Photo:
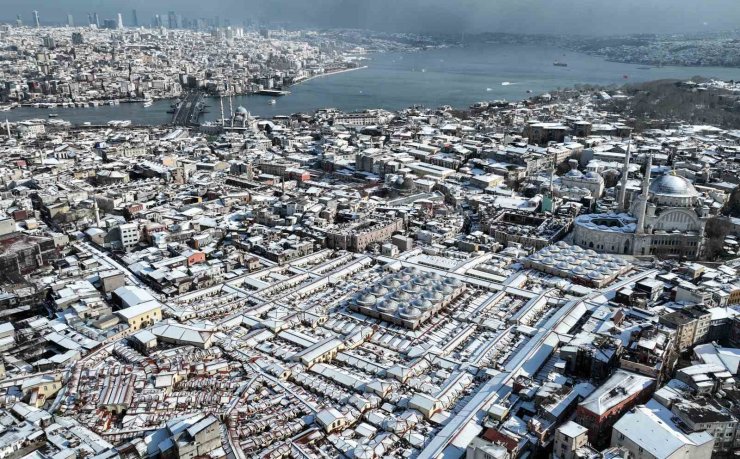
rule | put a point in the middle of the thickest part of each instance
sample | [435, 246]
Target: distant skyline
[426, 16]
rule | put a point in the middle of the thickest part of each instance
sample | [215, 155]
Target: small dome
[452, 281]
[422, 304]
[391, 283]
[379, 290]
[434, 297]
[434, 276]
[421, 281]
[387, 306]
[367, 300]
[411, 289]
[409, 312]
[595, 275]
[578, 270]
[574, 173]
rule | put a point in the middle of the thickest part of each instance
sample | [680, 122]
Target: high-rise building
[89, 19]
[70, 21]
[96, 20]
[171, 20]
[18, 20]
[36, 18]
[119, 25]
[134, 18]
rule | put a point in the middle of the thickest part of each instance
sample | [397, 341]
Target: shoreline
[327, 74]
[113, 102]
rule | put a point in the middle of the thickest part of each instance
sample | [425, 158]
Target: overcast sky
[449, 16]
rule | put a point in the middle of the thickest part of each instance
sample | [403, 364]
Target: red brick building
[602, 409]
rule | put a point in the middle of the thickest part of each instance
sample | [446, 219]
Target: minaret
[622, 199]
[231, 111]
[642, 208]
[97, 212]
[223, 121]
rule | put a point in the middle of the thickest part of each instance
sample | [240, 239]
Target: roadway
[188, 110]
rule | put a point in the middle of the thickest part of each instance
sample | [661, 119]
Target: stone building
[665, 219]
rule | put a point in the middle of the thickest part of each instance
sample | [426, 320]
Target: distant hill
[662, 102]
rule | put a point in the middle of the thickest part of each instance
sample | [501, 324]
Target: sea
[455, 76]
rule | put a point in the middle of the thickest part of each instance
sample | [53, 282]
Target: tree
[732, 206]
[717, 229]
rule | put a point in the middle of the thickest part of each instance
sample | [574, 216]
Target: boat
[148, 103]
[506, 83]
[53, 115]
[559, 64]
[489, 89]
[272, 102]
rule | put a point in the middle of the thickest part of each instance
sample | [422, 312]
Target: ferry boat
[53, 115]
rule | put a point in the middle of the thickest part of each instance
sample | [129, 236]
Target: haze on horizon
[588, 17]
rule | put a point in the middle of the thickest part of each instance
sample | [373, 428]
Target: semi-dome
[673, 185]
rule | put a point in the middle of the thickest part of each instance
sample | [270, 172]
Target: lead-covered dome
[673, 185]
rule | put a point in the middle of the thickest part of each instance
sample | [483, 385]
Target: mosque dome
[673, 185]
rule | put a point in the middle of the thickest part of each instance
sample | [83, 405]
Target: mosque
[666, 219]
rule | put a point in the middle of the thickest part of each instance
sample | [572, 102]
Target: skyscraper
[18, 20]
[171, 20]
[36, 18]
[89, 19]
[119, 25]
[96, 20]
[134, 18]
[70, 21]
